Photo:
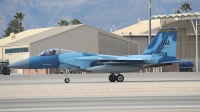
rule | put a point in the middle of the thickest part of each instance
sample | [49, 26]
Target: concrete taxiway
[93, 92]
[14, 79]
[108, 103]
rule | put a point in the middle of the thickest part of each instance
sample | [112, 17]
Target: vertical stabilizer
[155, 42]
[166, 50]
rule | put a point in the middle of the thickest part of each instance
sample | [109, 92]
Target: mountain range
[104, 14]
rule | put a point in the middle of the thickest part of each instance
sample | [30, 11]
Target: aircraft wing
[110, 59]
[113, 61]
[84, 62]
[124, 59]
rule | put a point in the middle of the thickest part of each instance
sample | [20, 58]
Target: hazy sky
[98, 13]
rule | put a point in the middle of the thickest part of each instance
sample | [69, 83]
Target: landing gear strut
[113, 78]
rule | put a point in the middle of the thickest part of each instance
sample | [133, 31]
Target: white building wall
[13, 57]
[1, 54]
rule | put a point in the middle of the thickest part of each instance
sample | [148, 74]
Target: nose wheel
[66, 80]
[118, 78]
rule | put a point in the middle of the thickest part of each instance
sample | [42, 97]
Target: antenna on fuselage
[36, 71]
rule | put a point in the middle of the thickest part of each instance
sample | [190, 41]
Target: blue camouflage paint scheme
[161, 51]
[154, 43]
[44, 62]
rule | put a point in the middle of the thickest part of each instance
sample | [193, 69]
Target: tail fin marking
[155, 42]
[166, 50]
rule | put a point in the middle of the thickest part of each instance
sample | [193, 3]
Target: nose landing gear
[66, 80]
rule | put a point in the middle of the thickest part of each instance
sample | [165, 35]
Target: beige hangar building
[82, 38]
[186, 38]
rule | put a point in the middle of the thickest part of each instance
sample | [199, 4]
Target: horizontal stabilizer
[176, 61]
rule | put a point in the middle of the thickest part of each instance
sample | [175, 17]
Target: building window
[16, 50]
[6, 60]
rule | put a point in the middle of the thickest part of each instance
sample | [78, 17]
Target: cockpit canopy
[54, 51]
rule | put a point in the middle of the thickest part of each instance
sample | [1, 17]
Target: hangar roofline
[180, 16]
[21, 35]
[139, 29]
[42, 35]
[52, 31]
[113, 34]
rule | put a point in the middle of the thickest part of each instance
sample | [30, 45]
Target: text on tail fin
[155, 42]
[167, 47]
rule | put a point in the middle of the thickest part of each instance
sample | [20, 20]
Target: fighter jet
[160, 52]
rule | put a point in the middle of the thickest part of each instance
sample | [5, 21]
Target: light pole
[196, 33]
[149, 39]
[197, 56]
[150, 5]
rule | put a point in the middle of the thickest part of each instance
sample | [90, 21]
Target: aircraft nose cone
[22, 64]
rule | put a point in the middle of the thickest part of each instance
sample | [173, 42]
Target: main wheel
[112, 78]
[120, 78]
[67, 80]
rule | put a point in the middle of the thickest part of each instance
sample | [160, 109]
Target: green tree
[19, 17]
[75, 21]
[63, 22]
[186, 7]
[12, 28]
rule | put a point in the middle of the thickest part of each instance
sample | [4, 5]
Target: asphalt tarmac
[109, 103]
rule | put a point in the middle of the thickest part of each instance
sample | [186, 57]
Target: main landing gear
[113, 78]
